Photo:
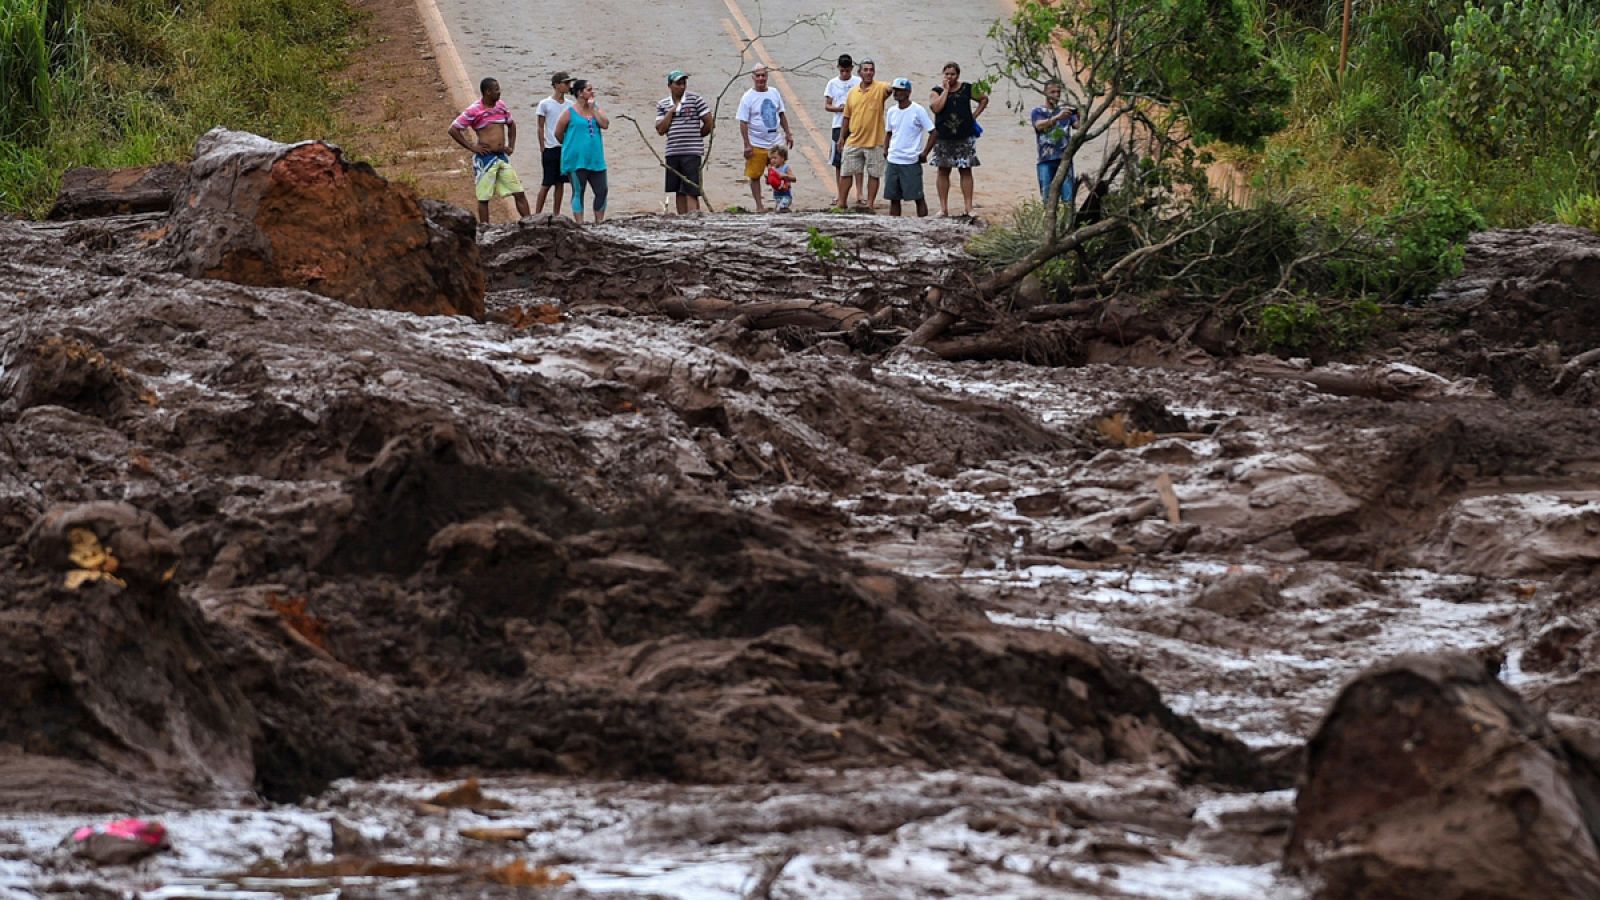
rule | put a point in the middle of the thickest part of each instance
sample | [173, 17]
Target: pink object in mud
[119, 843]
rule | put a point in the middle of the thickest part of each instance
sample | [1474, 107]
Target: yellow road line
[825, 146]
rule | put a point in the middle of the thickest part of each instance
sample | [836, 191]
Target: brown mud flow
[668, 532]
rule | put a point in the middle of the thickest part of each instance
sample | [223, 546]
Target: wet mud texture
[371, 554]
[1430, 778]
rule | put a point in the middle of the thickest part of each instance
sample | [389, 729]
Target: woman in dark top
[955, 128]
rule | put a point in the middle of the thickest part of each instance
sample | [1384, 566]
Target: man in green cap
[685, 118]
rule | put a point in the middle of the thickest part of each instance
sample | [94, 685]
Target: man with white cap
[910, 130]
[685, 118]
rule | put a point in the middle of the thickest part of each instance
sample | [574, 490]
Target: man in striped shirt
[488, 131]
[685, 119]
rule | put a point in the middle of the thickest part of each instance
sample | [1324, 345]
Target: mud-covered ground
[715, 611]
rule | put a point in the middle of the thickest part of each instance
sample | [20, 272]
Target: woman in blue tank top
[583, 151]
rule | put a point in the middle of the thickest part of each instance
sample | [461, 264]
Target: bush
[1522, 78]
[1425, 241]
[136, 81]
[24, 68]
[1582, 210]
[1313, 329]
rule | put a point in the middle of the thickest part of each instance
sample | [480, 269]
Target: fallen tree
[1148, 81]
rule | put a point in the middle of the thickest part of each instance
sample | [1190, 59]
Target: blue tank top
[582, 146]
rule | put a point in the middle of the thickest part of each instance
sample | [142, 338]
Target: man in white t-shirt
[550, 110]
[763, 121]
[833, 97]
[910, 128]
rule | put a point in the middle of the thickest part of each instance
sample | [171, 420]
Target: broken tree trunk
[1574, 370]
[1393, 381]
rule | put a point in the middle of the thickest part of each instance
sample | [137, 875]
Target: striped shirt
[477, 115]
[683, 135]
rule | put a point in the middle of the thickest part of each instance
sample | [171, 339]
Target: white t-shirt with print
[908, 131]
[761, 109]
[836, 92]
[551, 110]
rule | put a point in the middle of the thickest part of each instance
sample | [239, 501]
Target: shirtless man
[487, 130]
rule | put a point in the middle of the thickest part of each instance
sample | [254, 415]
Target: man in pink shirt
[487, 129]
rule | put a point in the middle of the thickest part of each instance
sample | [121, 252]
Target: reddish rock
[87, 192]
[1430, 778]
[257, 212]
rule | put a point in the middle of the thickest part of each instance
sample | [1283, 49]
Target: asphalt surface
[625, 49]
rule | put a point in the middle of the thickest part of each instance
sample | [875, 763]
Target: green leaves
[1522, 79]
[1198, 57]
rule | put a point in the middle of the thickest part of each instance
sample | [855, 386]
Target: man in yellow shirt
[864, 135]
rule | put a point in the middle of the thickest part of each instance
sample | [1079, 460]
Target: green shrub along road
[1497, 103]
[128, 82]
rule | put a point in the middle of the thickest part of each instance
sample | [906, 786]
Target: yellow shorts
[756, 165]
[498, 179]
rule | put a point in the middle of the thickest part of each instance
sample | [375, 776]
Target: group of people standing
[888, 141]
[881, 138]
[571, 147]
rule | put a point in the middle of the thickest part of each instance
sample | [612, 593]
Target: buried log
[1574, 369]
[87, 192]
[765, 315]
[1430, 778]
[1390, 381]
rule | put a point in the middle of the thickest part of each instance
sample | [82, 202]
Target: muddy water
[1314, 535]
[1262, 667]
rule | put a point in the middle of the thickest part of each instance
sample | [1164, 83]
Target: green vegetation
[128, 82]
[1451, 116]
[821, 245]
[1496, 102]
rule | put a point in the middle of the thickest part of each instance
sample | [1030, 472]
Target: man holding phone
[1052, 128]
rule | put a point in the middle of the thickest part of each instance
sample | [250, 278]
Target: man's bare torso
[491, 138]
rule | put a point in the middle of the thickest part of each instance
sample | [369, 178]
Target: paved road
[626, 49]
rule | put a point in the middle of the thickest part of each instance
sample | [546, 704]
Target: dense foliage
[126, 82]
[1451, 116]
[1496, 102]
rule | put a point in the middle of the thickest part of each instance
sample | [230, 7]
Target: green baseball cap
[676, 75]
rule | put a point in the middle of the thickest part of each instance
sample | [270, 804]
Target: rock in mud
[1530, 285]
[257, 212]
[1430, 778]
[114, 538]
[87, 192]
[114, 672]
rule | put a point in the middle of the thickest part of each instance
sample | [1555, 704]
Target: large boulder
[87, 192]
[258, 212]
[1530, 285]
[1430, 778]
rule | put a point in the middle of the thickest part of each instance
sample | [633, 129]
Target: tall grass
[24, 67]
[130, 82]
[1354, 144]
